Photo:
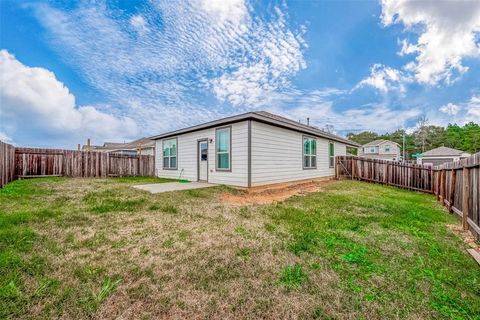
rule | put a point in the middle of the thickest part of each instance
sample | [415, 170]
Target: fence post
[336, 168]
[453, 182]
[443, 186]
[465, 194]
[432, 180]
[353, 168]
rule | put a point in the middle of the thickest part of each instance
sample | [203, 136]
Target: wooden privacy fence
[403, 175]
[456, 184]
[54, 162]
[18, 163]
[7, 163]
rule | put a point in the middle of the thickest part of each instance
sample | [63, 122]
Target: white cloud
[33, 99]
[385, 79]
[276, 55]
[448, 33]
[319, 106]
[460, 113]
[139, 24]
[5, 138]
[473, 109]
[226, 10]
[450, 108]
[192, 52]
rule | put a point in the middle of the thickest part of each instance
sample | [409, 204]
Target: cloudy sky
[119, 70]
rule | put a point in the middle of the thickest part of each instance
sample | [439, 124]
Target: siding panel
[187, 157]
[277, 155]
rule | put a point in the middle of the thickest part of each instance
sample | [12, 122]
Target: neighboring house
[250, 149]
[143, 146]
[441, 155]
[381, 149]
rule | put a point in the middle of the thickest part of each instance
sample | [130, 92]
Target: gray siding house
[441, 155]
[247, 150]
[381, 149]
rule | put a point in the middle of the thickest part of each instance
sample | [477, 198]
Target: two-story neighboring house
[381, 149]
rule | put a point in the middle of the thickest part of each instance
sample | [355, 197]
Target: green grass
[292, 276]
[88, 248]
[367, 232]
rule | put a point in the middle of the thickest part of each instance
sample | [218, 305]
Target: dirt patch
[466, 236]
[272, 194]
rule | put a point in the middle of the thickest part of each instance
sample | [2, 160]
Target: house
[143, 146]
[381, 149]
[438, 156]
[246, 150]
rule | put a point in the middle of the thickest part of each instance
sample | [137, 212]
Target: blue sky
[119, 70]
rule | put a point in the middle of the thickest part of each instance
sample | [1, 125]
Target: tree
[421, 132]
[362, 137]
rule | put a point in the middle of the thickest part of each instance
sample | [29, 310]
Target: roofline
[383, 141]
[256, 117]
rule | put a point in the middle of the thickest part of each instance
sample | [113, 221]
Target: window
[223, 154]
[309, 153]
[170, 154]
[387, 148]
[331, 154]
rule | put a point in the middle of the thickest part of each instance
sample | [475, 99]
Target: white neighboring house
[438, 156]
[381, 149]
[247, 150]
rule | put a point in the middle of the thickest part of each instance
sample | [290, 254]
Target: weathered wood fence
[456, 184]
[7, 163]
[16, 163]
[47, 162]
[407, 176]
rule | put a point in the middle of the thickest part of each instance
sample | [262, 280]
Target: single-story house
[143, 146]
[247, 150]
[438, 156]
[381, 149]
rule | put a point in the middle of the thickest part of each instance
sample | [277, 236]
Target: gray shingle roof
[443, 151]
[375, 143]
[136, 144]
[261, 116]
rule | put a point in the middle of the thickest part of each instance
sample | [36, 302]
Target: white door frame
[199, 141]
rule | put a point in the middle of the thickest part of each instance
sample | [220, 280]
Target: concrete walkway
[173, 186]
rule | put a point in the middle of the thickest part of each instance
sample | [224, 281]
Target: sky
[120, 70]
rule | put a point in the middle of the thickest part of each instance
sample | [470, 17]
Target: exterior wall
[381, 153]
[436, 161]
[148, 151]
[187, 161]
[277, 155]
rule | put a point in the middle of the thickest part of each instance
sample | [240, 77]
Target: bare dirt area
[273, 194]
[466, 235]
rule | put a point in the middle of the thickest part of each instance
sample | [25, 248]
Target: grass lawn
[92, 248]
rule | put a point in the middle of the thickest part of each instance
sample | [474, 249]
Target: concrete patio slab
[173, 186]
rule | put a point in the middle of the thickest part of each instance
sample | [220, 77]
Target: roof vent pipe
[308, 121]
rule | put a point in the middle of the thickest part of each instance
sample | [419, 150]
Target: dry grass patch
[78, 248]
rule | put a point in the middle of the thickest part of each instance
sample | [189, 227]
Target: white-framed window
[309, 153]
[223, 141]
[331, 154]
[387, 148]
[170, 154]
